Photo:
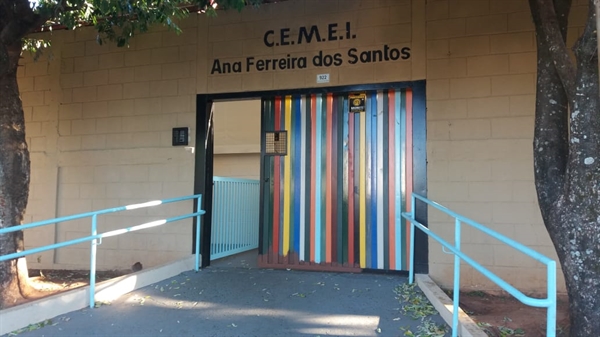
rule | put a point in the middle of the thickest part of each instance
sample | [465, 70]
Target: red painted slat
[313, 173]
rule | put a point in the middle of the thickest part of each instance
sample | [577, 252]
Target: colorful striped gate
[334, 201]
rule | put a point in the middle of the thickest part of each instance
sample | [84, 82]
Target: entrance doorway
[333, 182]
[236, 188]
[338, 179]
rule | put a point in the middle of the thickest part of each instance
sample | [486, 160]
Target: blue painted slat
[303, 185]
[318, 178]
[374, 174]
[399, 239]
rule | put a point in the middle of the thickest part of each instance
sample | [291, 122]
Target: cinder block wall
[481, 66]
[99, 122]
[233, 36]
[99, 119]
[41, 96]
[237, 139]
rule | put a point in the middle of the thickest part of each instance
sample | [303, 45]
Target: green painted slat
[335, 194]
[309, 181]
[269, 171]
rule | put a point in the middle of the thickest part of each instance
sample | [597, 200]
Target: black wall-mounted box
[180, 136]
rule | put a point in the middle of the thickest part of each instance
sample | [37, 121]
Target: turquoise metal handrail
[549, 302]
[96, 238]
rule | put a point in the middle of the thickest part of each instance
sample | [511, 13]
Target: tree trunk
[14, 176]
[581, 250]
[566, 156]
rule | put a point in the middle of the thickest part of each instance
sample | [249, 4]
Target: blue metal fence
[549, 302]
[235, 216]
[96, 238]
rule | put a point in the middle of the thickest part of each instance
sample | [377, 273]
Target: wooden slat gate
[338, 183]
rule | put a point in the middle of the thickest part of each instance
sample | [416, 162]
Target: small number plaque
[323, 78]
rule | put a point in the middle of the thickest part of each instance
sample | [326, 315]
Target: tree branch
[551, 135]
[549, 32]
[20, 20]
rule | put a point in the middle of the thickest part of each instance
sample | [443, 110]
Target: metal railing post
[93, 249]
[551, 312]
[456, 293]
[411, 268]
[549, 303]
[198, 210]
[95, 239]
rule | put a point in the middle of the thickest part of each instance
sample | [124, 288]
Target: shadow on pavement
[234, 298]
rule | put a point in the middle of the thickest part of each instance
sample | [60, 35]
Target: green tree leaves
[120, 20]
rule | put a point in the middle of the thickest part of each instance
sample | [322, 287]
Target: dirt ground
[502, 316]
[56, 280]
[50, 282]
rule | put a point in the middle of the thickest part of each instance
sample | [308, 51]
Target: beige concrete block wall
[41, 97]
[233, 37]
[242, 165]
[99, 118]
[481, 65]
[237, 139]
[99, 122]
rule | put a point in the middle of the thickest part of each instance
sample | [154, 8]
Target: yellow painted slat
[362, 192]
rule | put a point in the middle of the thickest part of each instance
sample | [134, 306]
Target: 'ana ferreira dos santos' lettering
[307, 35]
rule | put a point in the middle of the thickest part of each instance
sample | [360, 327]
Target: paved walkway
[232, 298]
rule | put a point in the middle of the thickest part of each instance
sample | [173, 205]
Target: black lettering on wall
[332, 31]
[304, 35]
[268, 38]
[285, 35]
[405, 53]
